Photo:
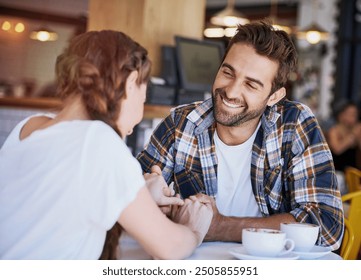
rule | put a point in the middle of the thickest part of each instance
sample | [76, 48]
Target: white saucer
[240, 253]
[316, 252]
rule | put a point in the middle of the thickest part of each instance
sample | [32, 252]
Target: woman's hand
[159, 190]
[195, 215]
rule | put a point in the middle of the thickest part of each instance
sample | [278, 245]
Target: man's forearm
[230, 228]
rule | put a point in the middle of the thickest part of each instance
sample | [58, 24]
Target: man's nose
[234, 91]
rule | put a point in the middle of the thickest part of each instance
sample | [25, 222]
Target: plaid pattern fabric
[291, 170]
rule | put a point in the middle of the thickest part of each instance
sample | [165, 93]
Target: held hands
[199, 212]
[195, 215]
[214, 231]
[160, 191]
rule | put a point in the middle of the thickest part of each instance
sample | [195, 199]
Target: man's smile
[230, 105]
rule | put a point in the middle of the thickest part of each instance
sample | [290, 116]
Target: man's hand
[215, 231]
[224, 228]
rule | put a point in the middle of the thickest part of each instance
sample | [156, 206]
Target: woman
[344, 138]
[67, 179]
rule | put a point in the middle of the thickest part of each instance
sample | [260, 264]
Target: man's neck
[236, 135]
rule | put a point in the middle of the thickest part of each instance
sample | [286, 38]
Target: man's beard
[228, 118]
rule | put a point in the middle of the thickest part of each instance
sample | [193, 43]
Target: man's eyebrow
[255, 81]
[230, 67]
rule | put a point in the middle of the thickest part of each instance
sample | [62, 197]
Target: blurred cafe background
[327, 34]
[186, 40]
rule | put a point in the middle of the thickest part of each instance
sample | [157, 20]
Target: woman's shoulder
[34, 123]
[103, 138]
[14, 137]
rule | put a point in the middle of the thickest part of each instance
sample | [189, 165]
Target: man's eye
[251, 86]
[227, 73]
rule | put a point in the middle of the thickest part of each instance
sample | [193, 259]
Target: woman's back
[344, 137]
[71, 169]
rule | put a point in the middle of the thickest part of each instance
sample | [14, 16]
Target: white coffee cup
[264, 242]
[304, 235]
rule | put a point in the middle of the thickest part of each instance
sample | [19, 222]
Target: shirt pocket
[273, 187]
[188, 183]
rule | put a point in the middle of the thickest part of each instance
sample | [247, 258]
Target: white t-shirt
[235, 196]
[62, 188]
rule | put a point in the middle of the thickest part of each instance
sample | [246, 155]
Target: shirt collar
[202, 116]
[270, 117]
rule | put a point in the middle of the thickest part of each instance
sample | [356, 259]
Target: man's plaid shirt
[291, 170]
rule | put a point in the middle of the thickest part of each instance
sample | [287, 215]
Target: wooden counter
[150, 111]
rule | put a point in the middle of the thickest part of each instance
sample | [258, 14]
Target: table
[131, 250]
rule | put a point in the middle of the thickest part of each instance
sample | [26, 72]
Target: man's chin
[227, 121]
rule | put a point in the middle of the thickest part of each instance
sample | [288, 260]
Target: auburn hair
[96, 65]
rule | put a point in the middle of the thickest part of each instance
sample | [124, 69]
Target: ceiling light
[6, 26]
[214, 32]
[44, 34]
[313, 34]
[19, 27]
[229, 16]
[230, 31]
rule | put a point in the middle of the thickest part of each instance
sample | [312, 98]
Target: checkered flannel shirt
[291, 168]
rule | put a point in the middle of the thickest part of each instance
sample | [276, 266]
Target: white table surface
[131, 250]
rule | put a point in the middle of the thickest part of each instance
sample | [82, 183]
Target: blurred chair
[353, 179]
[348, 241]
[353, 214]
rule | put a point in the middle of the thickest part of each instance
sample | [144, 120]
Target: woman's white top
[62, 188]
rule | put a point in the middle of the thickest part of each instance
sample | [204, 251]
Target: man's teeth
[230, 104]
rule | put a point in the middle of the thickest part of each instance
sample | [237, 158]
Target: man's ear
[276, 96]
[130, 82]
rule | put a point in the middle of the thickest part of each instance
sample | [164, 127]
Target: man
[258, 157]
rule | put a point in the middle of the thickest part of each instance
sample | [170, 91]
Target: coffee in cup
[304, 235]
[264, 242]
